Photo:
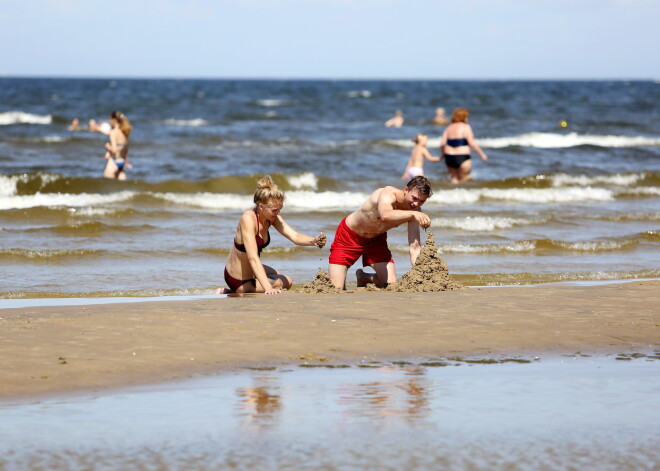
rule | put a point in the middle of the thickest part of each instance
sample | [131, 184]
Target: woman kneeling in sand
[244, 272]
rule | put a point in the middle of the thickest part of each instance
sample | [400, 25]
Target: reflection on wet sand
[259, 405]
[392, 397]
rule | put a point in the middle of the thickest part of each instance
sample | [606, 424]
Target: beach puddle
[438, 413]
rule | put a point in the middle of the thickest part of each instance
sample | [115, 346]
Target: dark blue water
[553, 203]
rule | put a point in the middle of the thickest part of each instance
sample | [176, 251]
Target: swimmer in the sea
[419, 153]
[396, 121]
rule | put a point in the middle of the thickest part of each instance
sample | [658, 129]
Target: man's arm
[413, 241]
[389, 215]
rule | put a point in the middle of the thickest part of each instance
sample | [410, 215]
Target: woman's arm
[469, 135]
[297, 238]
[443, 143]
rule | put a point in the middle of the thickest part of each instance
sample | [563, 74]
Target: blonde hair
[267, 189]
[416, 138]
[124, 124]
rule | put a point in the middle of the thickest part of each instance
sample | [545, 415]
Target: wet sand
[55, 349]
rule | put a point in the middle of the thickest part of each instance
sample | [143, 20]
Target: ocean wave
[20, 117]
[547, 141]
[46, 255]
[295, 200]
[627, 179]
[359, 94]
[507, 279]
[538, 246]
[460, 196]
[275, 102]
[482, 223]
[187, 122]
[551, 141]
[303, 180]
[61, 200]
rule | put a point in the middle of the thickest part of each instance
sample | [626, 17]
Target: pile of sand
[429, 273]
[319, 285]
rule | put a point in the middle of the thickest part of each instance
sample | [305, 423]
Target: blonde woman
[455, 146]
[117, 149]
[244, 271]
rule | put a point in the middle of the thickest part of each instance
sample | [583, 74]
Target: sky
[331, 39]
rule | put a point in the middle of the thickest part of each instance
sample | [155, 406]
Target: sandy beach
[56, 349]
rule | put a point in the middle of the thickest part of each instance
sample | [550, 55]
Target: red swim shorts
[349, 246]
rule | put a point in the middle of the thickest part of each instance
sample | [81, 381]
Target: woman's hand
[320, 240]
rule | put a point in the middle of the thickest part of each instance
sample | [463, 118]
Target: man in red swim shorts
[364, 233]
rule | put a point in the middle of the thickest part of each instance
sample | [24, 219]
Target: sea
[570, 192]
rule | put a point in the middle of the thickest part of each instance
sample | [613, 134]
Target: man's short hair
[421, 184]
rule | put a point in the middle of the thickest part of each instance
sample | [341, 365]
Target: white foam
[274, 102]
[304, 180]
[8, 184]
[359, 94]
[61, 199]
[296, 200]
[187, 122]
[19, 117]
[547, 141]
[618, 179]
[645, 190]
[480, 223]
[552, 140]
[513, 247]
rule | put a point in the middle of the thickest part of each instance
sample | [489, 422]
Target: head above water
[267, 190]
[460, 115]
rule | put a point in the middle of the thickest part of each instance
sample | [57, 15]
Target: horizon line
[356, 79]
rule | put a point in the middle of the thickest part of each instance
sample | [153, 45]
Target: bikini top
[260, 241]
[460, 142]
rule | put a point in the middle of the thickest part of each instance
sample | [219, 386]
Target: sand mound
[319, 285]
[430, 272]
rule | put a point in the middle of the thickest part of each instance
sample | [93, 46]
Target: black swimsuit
[456, 160]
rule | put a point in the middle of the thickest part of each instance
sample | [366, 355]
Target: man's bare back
[367, 221]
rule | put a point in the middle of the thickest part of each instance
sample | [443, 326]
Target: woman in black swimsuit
[244, 272]
[455, 146]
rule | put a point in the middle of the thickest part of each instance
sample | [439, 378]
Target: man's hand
[422, 219]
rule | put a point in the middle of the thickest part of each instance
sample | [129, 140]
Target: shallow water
[567, 413]
[552, 204]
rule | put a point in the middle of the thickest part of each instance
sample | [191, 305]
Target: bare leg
[464, 171]
[110, 169]
[338, 275]
[385, 274]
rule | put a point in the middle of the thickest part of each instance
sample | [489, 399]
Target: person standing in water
[419, 153]
[244, 271]
[455, 147]
[117, 148]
